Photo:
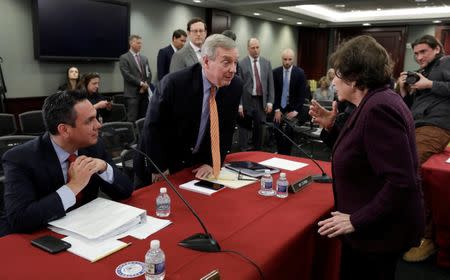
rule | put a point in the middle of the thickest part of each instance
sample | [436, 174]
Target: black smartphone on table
[50, 244]
[209, 185]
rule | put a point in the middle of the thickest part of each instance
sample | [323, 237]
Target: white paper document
[231, 180]
[100, 219]
[283, 164]
[144, 230]
[448, 160]
[94, 250]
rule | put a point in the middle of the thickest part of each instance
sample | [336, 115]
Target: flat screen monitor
[80, 30]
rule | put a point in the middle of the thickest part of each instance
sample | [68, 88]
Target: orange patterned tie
[214, 129]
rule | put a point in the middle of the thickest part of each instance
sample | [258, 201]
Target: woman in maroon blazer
[378, 199]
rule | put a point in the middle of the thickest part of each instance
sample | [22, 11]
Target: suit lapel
[51, 161]
[131, 57]
[192, 54]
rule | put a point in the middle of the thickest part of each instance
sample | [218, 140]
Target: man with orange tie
[60, 170]
[191, 118]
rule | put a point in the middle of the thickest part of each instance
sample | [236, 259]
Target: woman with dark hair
[378, 199]
[90, 83]
[72, 79]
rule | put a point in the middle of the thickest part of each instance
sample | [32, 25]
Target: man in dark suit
[165, 54]
[290, 93]
[177, 128]
[60, 170]
[258, 95]
[137, 77]
[190, 53]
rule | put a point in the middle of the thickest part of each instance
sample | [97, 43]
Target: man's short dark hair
[58, 108]
[179, 33]
[195, 20]
[430, 41]
[230, 34]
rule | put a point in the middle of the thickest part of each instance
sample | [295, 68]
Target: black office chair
[119, 99]
[118, 114]
[6, 143]
[126, 157]
[7, 124]
[115, 135]
[32, 123]
[139, 126]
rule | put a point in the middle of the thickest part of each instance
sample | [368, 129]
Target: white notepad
[191, 187]
[283, 164]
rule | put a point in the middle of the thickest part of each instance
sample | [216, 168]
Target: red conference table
[436, 181]
[280, 235]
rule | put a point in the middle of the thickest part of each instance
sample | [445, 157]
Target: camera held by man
[412, 78]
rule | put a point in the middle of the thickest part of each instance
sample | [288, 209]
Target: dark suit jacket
[164, 58]
[32, 176]
[297, 89]
[173, 121]
[132, 77]
[375, 172]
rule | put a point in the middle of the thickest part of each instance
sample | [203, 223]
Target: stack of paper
[284, 164]
[93, 229]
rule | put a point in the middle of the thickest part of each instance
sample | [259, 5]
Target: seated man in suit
[290, 94]
[165, 54]
[60, 170]
[189, 107]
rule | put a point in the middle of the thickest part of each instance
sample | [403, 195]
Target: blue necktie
[285, 92]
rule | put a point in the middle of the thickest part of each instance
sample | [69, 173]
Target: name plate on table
[297, 186]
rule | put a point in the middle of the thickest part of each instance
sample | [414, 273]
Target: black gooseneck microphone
[324, 178]
[203, 242]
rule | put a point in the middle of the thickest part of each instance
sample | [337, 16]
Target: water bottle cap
[154, 244]
[162, 190]
[282, 175]
[267, 172]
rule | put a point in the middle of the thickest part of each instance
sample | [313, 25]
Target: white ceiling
[353, 13]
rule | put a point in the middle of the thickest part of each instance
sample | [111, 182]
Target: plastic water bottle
[266, 184]
[282, 186]
[155, 261]
[163, 203]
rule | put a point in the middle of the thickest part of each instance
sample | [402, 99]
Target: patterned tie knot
[255, 60]
[71, 158]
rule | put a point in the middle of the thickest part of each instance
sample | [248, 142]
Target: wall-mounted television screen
[80, 30]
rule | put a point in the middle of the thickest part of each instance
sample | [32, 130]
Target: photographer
[428, 93]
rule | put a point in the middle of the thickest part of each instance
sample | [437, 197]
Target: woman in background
[323, 92]
[72, 79]
[378, 200]
[90, 83]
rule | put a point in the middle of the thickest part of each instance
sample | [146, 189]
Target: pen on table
[236, 179]
[111, 252]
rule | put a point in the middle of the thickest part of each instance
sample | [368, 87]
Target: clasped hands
[82, 169]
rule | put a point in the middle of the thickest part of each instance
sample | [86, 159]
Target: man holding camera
[428, 92]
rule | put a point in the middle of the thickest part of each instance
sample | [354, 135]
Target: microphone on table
[203, 242]
[324, 178]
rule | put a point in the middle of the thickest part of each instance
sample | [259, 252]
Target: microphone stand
[203, 242]
[324, 178]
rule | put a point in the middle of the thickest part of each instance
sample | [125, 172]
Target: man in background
[137, 77]
[258, 95]
[165, 54]
[190, 54]
[62, 169]
[429, 96]
[189, 107]
[290, 94]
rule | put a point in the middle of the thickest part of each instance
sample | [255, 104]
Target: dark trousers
[368, 266]
[136, 107]
[257, 114]
[284, 146]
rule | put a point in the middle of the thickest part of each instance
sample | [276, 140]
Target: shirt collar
[253, 59]
[173, 47]
[133, 53]
[206, 84]
[196, 49]
[289, 69]
[60, 152]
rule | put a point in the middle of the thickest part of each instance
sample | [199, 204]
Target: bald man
[258, 95]
[290, 94]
